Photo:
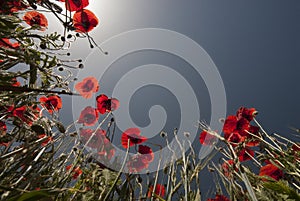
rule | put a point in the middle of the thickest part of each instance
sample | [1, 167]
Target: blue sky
[254, 45]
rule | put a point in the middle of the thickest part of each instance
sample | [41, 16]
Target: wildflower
[46, 141]
[84, 21]
[248, 113]
[271, 171]
[36, 18]
[146, 152]
[87, 87]
[133, 135]
[15, 83]
[12, 6]
[219, 198]
[245, 154]
[296, 151]
[88, 116]
[234, 138]
[76, 172]
[105, 104]
[75, 5]
[206, 138]
[51, 103]
[137, 163]
[159, 190]
[234, 124]
[238, 129]
[6, 42]
[227, 167]
[296, 147]
[26, 114]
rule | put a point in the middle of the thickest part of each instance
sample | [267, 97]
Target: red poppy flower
[134, 137]
[5, 42]
[97, 141]
[159, 190]
[296, 151]
[84, 21]
[146, 152]
[51, 103]
[245, 154]
[26, 114]
[296, 147]
[3, 128]
[15, 83]
[12, 6]
[248, 113]
[218, 198]
[137, 163]
[234, 138]
[271, 171]
[105, 104]
[46, 141]
[75, 5]
[233, 124]
[253, 141]
[87, 87]
[227, 167]
[88, 116]
[5, 144]
[206, 138]
[36, 18]
[76, 172]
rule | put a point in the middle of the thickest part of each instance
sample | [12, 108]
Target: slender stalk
[119, 173]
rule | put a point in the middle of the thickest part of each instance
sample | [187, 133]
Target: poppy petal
[88, 116]
[146, 152]
[84, 21]
[206, 138]
[76, 5]
[271, 171]
[248, 113]
[36, 18]
[87, 87]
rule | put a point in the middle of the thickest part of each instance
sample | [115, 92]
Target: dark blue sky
[254, 45]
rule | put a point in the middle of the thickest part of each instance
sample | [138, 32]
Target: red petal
[230, 124]
[146, 152]
[102, 103]
[85, 20]
[88, 116]
[76, 5]
[115, 104]
[245, 154]
[271, 171]
[159, 190]
[235, 138]
[133, 135]
[248, 113]
[87, 87]
[35, 18]
[206, 138]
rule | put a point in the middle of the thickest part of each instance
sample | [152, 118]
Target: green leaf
[282, 188]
